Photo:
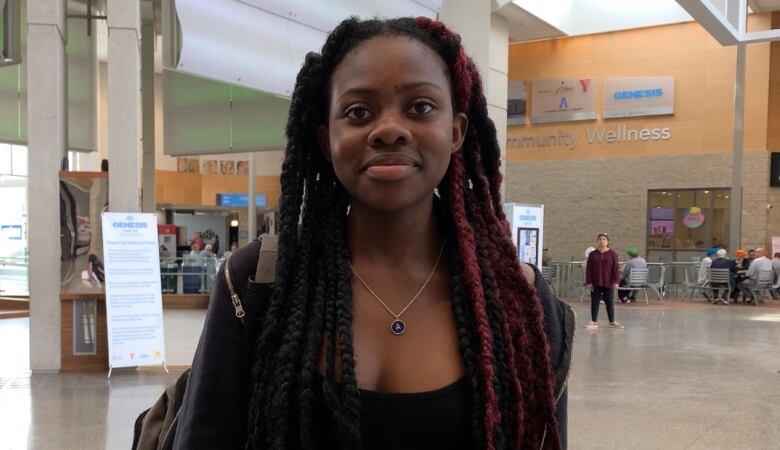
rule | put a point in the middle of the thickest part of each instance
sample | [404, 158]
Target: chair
[660, 286]
[690, 286]
[637, 281]
[719, 279]
[763, 284]
[549, 273]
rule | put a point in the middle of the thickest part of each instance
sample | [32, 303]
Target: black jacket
[725, 263]
[214, 410]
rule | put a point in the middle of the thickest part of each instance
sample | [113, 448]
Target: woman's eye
[422, 107]
[358, 113]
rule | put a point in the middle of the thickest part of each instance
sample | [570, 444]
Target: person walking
[602, 277]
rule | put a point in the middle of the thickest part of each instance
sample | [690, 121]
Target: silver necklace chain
[408, 305]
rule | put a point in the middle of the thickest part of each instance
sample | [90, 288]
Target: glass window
[688, 221]
[19, 160]
[5, 159]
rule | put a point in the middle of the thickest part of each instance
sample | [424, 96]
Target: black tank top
[437, 419]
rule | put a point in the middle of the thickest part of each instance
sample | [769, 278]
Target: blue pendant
[398, 327]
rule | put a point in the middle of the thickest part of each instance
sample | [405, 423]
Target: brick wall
[585, 197]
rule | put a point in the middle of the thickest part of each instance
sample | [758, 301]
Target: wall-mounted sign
[594, 135]
[638, 96]
[241, 200]
[563, 100]
[516, 101]
[694, 217]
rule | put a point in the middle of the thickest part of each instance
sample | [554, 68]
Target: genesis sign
[638, 96]
[643, 93]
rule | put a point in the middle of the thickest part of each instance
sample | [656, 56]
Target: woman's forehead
[389, 61]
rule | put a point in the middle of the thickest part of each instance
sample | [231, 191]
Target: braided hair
[498, 317]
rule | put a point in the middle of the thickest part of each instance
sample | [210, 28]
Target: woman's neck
[408, 237]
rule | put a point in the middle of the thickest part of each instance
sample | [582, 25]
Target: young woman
[602, 276]
[400, 316]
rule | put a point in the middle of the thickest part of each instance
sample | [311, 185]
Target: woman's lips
[390, 172]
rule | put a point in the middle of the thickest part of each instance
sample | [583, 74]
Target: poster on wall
[242, 168]
[83, 197]
[133, 290]
[527, 225]
[210, 167]
[227, 167]
[182, 165]
[563, 100]
[638, 96]
[516, 101]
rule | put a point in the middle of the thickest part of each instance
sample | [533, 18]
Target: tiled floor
[680, 376]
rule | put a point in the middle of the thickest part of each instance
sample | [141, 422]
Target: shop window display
[687, 221]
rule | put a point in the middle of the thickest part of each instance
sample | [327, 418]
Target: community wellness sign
[623, 97]
[133, 292]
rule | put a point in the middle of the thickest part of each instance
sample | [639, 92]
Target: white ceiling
[542, 19]
[764, 5]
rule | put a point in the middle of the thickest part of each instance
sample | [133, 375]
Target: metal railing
[570, 277]
[189, 274]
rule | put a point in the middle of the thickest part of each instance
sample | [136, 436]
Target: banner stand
[134, 313]
[110, 368]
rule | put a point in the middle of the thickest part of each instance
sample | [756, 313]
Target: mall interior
[654, 122]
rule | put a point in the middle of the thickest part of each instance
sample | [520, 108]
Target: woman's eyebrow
[399, 88]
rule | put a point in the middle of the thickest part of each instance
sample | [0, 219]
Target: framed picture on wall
[194, 166]
[242, 168]
[210, 167]
[182, 164]
[227, 167]
[516, 101]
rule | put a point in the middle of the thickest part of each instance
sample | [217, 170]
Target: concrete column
[47, 130]
[486, 39]
[251, 206]
[498, 83]
[147, 104]
[124, 105]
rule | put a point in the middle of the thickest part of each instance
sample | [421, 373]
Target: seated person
[776, 268]
[636, 262]
[760, 264]
[721, 262]
[705, 264]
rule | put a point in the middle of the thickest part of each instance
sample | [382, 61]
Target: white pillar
[486, 40]
[147, 103]
[47, 130]
[124, 105]
[735, 232]
[498, 82]
[252, 207]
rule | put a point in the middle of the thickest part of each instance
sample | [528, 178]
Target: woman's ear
[323, 139]
[460, 124]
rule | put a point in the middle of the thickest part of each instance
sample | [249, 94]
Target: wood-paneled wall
[200, 189]
[704, 72]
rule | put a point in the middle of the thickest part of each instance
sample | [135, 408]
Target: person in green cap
[636, 262]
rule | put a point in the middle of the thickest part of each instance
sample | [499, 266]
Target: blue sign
[639, 93]
[240, 200]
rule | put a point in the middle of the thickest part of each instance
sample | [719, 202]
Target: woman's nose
[389, 129]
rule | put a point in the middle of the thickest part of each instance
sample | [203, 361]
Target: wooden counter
[98, 362]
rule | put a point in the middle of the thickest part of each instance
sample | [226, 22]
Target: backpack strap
[265, 272]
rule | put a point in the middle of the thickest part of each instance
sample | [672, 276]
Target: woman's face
[391, 129]
[603, 241]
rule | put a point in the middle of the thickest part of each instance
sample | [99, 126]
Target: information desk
[84, 334]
